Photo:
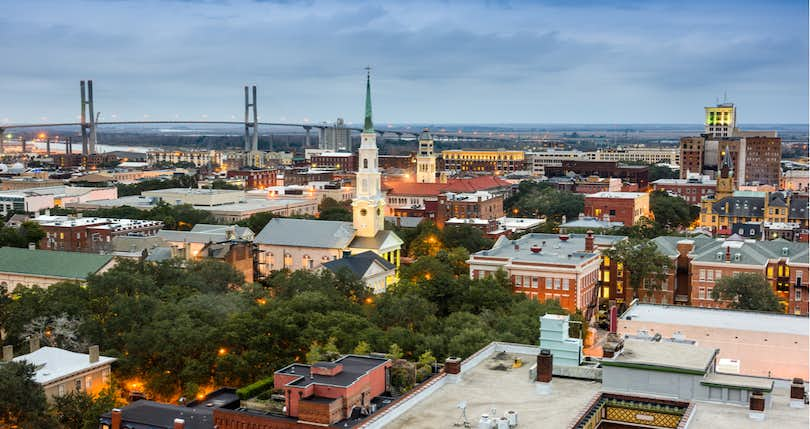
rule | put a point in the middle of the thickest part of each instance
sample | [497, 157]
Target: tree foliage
[642, 261]
[331, 209]
[183, 181]
[747, 291]
[535, 199]
[22, 400]
[28, 232]
[672, 212]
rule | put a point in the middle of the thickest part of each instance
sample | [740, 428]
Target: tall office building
[721, 120]
[425, 159]
[335, 137]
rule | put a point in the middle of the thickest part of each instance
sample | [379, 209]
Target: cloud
[448, 61]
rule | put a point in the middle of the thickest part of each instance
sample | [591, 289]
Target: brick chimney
[93, 352]
[115, 420]
[452, 365]
[728, 254]
[34, 343]
[797, 390]
[545, 366]
[589, 241]
[8, 353]
[685, 247]
[179, 423]
[756, 402]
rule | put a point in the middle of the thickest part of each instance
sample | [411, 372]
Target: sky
[459, 62]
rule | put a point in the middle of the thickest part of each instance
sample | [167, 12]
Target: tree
[465, 236]
[747, 291]
[363, 348]
[257, 222]
[331, 209]
[428, 241]
[671, 212]
[534, 199]
[662, 172]
[221, 184]
[22, 402]
[644, 264]
[81, 410]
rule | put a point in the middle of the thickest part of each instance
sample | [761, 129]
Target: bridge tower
[251, 139]
[88, 129]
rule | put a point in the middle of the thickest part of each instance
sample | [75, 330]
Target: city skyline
[489, 62]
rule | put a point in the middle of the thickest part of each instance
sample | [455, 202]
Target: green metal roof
[51, 263]
[368, 126]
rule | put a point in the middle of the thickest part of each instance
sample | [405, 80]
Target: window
[79, 385]
[702, 293]
[548, 282]
[702, 275]
[365, 162]
[518, 281]
[534, 282]
[306, 262]
[565, 284]
[613, 212]
[288, 261]
[606, 276]
[709, 275]
[798, 295]
[61, 389]
[557, 284]
[798, 278]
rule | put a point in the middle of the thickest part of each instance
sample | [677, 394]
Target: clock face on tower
[363, 212]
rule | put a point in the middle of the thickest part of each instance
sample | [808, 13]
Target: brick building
[402, 162]
[701, 261]
[629, 173]
[484, 161]
[691, 189]
[342, 161]
[625, 207]
[755, 158]
[746, 206]
[481, 205]
[256, 178]
[325, 393]
[90, 234]
[547, 266]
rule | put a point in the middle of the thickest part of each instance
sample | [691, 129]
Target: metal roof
[306, 233]
[51, 263]
[358, 264]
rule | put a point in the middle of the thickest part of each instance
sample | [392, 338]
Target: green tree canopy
[22, 400]
[672, 212]
[535, 199]
[642, 262]
[747, 291]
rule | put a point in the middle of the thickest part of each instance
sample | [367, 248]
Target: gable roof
[51, 263]
[751, 252]
[383, 240]
[242, 232]
[54, 363]
[359, 264]
[306, 233]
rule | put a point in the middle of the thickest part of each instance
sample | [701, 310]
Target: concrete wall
[640, 381]
[91, 382]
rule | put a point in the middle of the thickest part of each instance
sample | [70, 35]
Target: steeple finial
[368, 126]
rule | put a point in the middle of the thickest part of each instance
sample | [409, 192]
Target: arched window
[365, 162]
[306, 262]
[288, 261]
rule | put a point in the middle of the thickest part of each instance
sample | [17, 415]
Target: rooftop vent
[536, 249]
[564, 237]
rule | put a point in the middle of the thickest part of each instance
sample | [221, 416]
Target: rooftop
[306, 233]
[96, 222]
[592, 223]
[742, 251]
[617, 195]
[359, 264]
[553, 248]
[482, 389]
[671, 355]
[254, 204]
[145, 414]
[51, 263]
[53, 363]
[719, 318]
[354, 367]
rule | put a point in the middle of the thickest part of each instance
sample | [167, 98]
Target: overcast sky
[579, 61]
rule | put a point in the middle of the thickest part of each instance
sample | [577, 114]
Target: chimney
[179, 423]
[614, 319]
[8, 353]
[589, 241]
[728, 254]
[115, 420]
[452, 365]
[756, 402]
[517, 247]
[796, 391]
[399, 222]
[545, 366]
[93, 352]
[347, 253]
[685, 247]
[32, 246]
[34, 343]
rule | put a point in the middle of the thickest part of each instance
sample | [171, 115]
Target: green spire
[368, 127]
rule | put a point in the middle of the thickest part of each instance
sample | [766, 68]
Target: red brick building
[701, 261]
[342, 161]
[477, 205]
[628, 173]
[547, 266]
[326, 392]
[256, 179]
[90, 234]
[625, 207]
[692, 189]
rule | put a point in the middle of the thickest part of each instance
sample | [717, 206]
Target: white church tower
[425, 160]
[369, 205]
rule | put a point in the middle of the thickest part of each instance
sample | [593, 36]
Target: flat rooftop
[553, 248]
[483, 388]
[53, 363]
[718, 318]
[617, 195]
[660, 354]
[510, 390]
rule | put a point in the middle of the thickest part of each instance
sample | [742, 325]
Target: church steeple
[369, 203]
[368, 126]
